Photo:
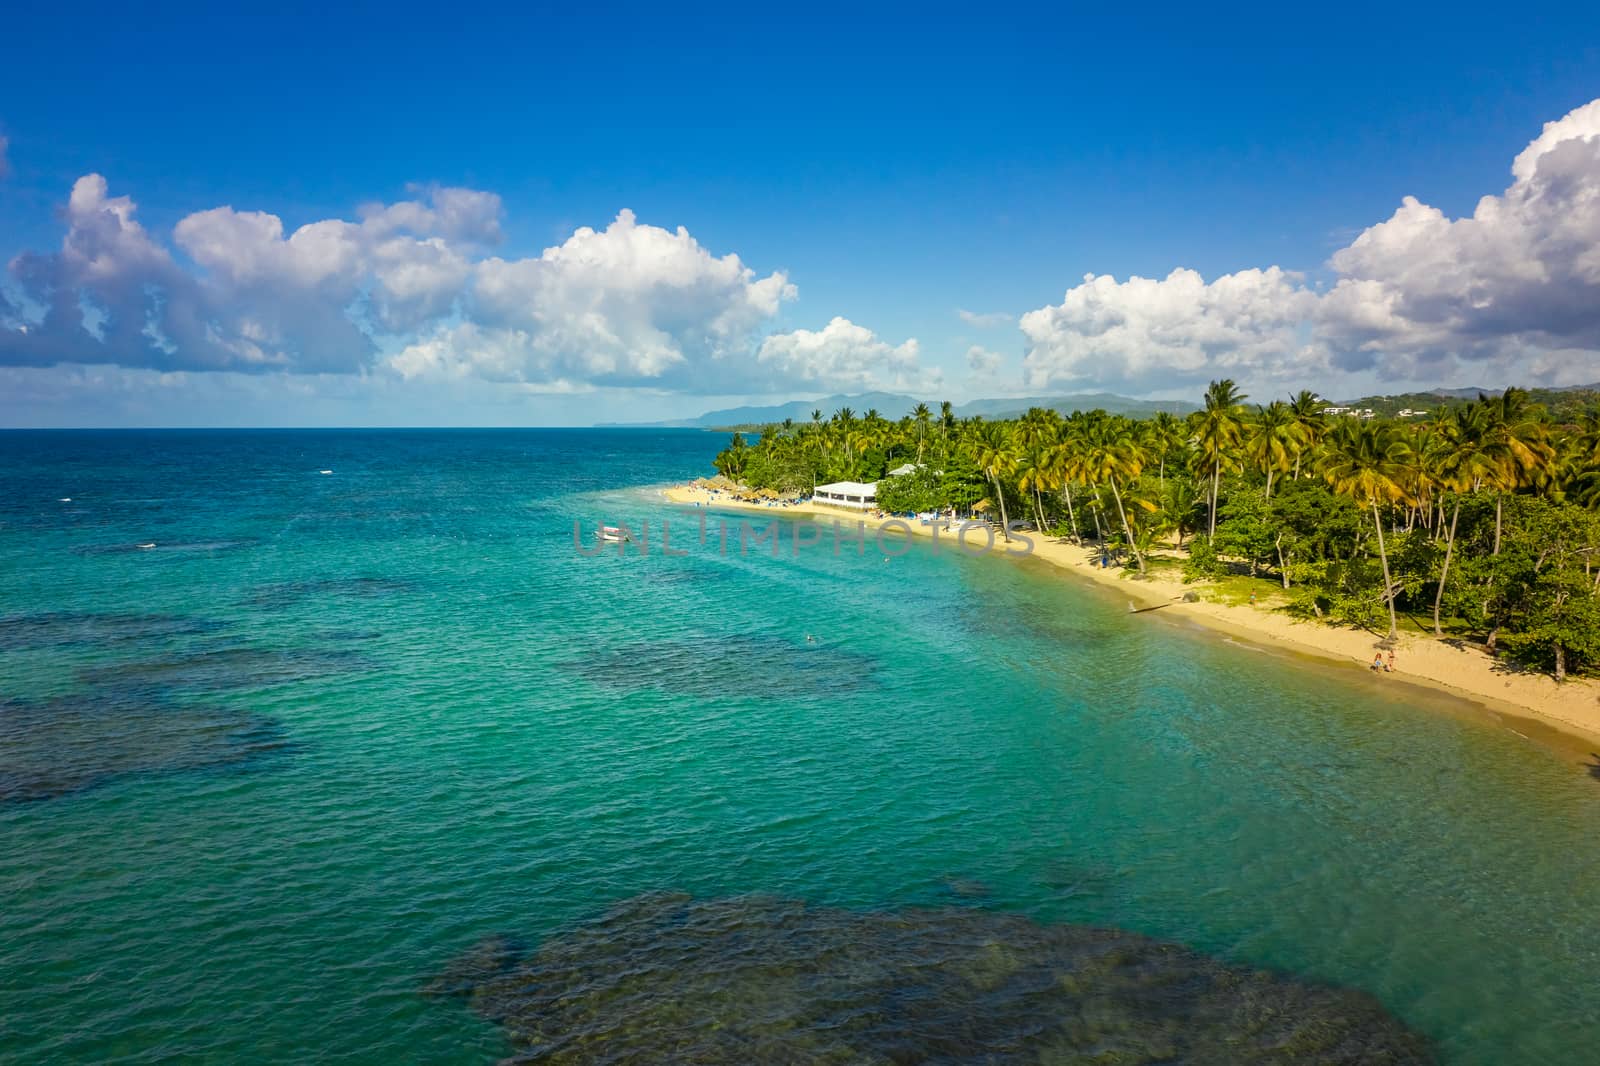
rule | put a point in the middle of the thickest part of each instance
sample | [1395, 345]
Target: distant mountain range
[1562, 403]
[1108, 402]
[894, 406]
[1473, 394]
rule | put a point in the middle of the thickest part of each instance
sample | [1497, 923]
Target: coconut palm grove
[1477, 521]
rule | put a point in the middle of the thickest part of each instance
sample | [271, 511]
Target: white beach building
[856, 495]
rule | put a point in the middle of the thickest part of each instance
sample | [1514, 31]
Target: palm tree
[1163, 433]
[1066, 462]
[880, 426]
[921, 415]
[1518, 433]
[1273, 440]
[1461, 462]
[1366, 461]
[1583, 484]
[1035, 432]
[1034, 473]
[1589, 437]
[1180, 507]
[992, 452]
[843, 424]
[1305, 407]
[1419, 481]
[731, 461]
[1114, 449]
[1218, 430]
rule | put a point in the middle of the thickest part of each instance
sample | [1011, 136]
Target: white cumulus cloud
[1180, 327]
[1519, 276]
[457, 215]
[628, 304]
[96, 294]
[631, 304]
[843, 355]
[256, 299]
[398, 268]
[1514, 287]
[982, 362]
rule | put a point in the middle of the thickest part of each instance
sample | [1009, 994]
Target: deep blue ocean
[276, 744]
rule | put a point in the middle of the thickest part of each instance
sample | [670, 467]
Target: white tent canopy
[859, 495]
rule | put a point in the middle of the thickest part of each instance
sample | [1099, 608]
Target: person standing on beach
[1389, 666]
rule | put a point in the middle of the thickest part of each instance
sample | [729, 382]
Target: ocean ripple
[755, 666]
[290, 593]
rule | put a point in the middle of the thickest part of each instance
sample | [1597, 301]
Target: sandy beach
[1572, 707]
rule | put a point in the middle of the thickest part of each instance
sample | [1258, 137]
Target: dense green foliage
[1485, 515]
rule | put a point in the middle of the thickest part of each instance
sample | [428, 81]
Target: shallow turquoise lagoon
[262, 779]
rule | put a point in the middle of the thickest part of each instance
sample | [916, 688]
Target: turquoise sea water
[261, 779]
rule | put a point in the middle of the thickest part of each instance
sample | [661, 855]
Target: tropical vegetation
[1478, 521]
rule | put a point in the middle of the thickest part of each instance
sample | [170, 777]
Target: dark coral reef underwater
[665, 978]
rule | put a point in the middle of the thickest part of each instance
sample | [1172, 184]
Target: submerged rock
[665, 978]
[489, 958]
[51, 748]
[66, 628]
[231, 666]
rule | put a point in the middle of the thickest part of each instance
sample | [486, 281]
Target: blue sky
[874, 172]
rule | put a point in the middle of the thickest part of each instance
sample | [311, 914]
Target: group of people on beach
[1378, 663]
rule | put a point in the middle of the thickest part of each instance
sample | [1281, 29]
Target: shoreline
[1570, 709]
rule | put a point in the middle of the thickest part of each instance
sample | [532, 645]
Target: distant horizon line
[630, 427]
[686, 423]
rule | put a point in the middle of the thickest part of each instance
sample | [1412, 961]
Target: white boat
[613, 534]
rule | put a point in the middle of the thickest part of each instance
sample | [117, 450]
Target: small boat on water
[613, 534]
